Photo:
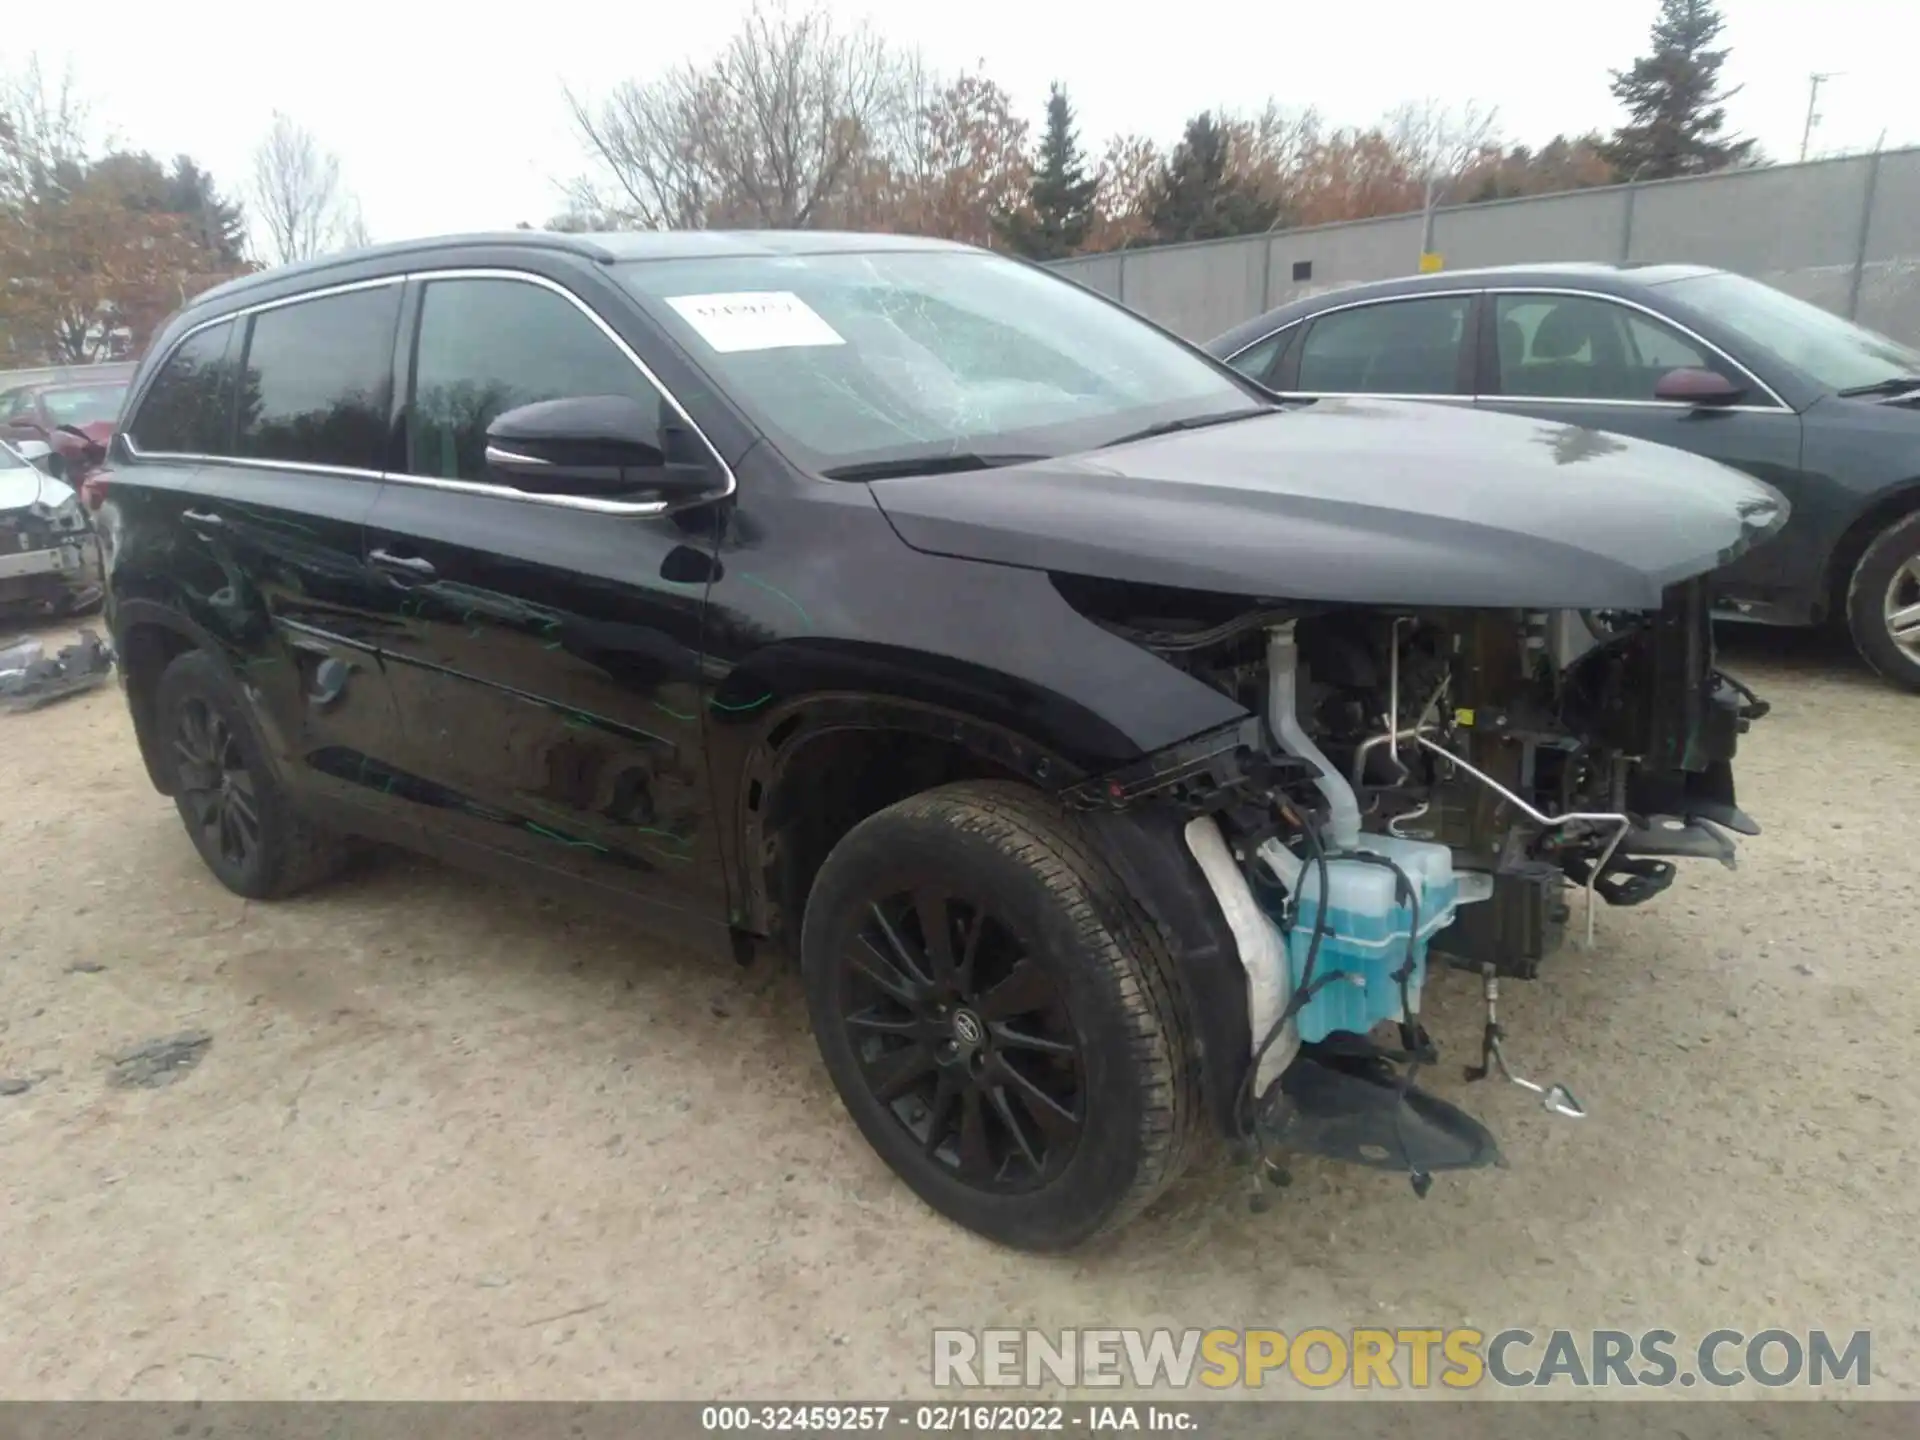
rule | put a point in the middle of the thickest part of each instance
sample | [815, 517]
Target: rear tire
[1032, 1076]
[1883, 603]
[234, 809]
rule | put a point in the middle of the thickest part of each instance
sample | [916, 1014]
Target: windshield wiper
[1192, 422]
[925, 465]
[1892, 385]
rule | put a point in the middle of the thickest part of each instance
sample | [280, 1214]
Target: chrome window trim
[1257, 343]
[1705, 344]
[1778, 406]
[594, 504]
[1335, 310]
[1374, 395]
[297, 467]
[1637, 404]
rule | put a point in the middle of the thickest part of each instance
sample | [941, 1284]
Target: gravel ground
[424, 1136]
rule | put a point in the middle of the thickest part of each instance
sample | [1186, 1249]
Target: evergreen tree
[1060, 198]
[1198, 194]
[217, 223]
[143, 184]
[1675, 107]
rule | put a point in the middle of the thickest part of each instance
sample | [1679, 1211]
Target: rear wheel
[236, 814]
[998, 1016]
[1883, 603]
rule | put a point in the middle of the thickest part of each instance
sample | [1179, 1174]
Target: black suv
[1107, 742]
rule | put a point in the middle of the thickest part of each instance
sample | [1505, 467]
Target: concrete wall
[1844, 234]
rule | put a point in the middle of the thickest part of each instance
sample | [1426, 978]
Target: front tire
[999, 1016]
[1883, 603]
[235, 811]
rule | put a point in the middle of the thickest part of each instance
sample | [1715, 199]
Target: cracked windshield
[876, 358]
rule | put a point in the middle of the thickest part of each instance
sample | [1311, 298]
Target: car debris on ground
[29, 678]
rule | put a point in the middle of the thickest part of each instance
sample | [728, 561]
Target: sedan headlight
[64, 514]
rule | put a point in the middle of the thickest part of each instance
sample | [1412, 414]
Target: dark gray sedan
[1822, 409]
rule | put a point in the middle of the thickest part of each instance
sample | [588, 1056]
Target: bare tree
[44, 127]
[1128, 168]
[771, 132]
[1440, 145]
[354, 234]
[1441, 141]
[298, 195]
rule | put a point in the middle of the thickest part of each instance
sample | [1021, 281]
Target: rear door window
[188, 409]
[317, 385]
[1397, 347]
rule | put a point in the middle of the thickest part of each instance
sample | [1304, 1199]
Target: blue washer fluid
[1367, 928]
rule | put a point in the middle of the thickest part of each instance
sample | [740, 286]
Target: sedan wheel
[1883, 603]
[1902, 609]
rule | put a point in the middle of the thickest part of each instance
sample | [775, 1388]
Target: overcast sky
[451, 118]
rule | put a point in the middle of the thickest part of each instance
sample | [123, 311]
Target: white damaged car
[49, 560]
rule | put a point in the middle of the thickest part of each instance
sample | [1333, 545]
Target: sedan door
[545, 652]
[1592, 361]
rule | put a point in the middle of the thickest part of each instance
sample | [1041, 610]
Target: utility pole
[1814, 82]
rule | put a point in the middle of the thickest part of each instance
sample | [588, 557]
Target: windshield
[77, 406]
[1834, 352]
[860, 359]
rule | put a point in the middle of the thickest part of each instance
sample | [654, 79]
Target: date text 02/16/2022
[948, 1419]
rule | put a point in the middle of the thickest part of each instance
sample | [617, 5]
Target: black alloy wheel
[965, 1039]
[999, 1015]
[229, 798]
[214, 789]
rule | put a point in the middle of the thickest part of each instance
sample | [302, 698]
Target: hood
[23, 485]
[1358, 501]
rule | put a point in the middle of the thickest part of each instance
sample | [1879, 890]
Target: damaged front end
[49, 564]
[1418, 786]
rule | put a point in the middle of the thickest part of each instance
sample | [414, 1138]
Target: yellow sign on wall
[1430, 262]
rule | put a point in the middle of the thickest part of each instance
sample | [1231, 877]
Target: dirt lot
[451, 1141]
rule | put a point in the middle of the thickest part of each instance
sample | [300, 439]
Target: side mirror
[35, 452]
[606, 447]
[1697, 387]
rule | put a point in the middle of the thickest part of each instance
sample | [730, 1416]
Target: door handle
[410, 567]
[203, 520]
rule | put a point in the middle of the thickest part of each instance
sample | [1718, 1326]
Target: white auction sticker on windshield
[755, 320]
